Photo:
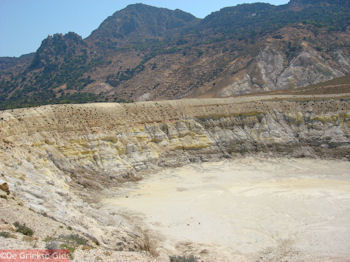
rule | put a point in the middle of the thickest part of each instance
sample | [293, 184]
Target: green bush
[183, 259]
[69, 242]
[23, 229]
[5, 234]
[74, 239]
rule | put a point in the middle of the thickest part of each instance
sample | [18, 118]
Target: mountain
[7, 63]
[258, 19]
[148, 53]
[138, 22]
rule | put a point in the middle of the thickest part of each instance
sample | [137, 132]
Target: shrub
[183, 259]
[75, 239]
[5, 234]
[23, 229]
[69, 242]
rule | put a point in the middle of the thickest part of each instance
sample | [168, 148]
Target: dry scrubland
[62, 161]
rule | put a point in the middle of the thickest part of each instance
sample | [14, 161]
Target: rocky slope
[60, 159]
[147, 53]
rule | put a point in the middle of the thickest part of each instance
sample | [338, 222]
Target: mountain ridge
[148, 53]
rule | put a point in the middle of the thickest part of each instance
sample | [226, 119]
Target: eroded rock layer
[59, 159]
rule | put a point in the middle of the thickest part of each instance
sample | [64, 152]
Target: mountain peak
[138, 6]
[61, 42]
[140, 21]
[57, 45]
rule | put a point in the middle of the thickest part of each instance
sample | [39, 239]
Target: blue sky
[25, 23]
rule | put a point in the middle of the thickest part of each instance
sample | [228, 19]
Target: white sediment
[247, 207]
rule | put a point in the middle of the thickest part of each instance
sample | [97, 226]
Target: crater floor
[244, 209]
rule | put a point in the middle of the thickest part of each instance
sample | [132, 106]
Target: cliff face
[59, 159]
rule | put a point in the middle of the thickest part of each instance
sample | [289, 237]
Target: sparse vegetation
[23, 229]
[247, 22]
[183, 259]
[76, 239]
[65, 65]
[48, 239]
[68, 242]
[149, 245]
[6, 234]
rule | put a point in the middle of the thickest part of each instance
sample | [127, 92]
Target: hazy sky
[25, 23]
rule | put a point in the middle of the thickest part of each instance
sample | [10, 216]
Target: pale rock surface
[59, 159]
